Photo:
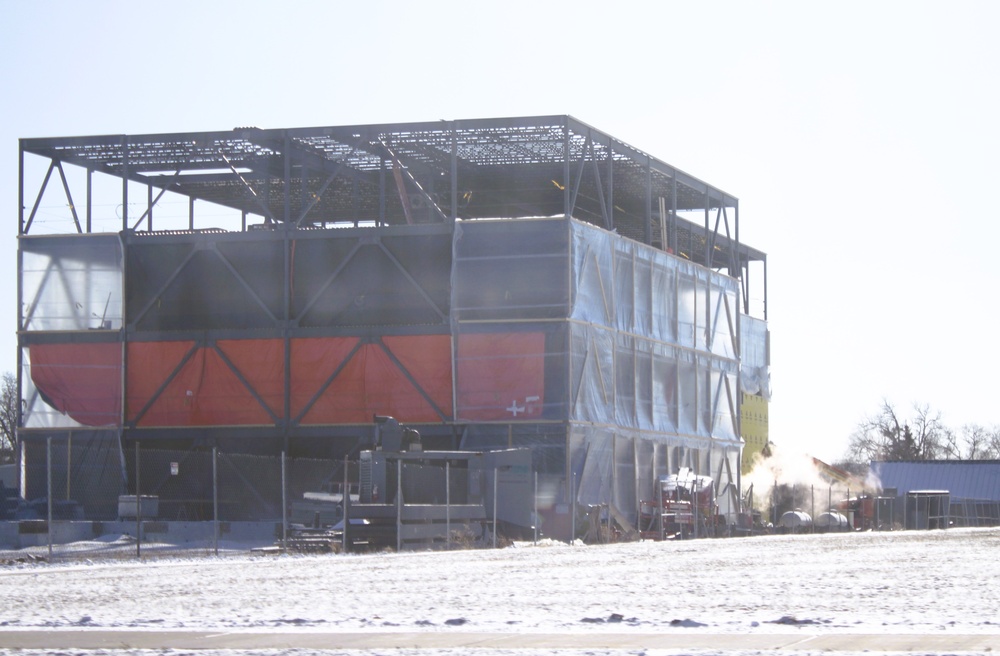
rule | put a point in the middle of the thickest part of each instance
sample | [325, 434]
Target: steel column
[20, 189]
[125, 175]
[454, 173]
[90, 203]
[567, 204]
[647, 224]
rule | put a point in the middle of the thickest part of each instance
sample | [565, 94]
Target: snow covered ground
[940, 582]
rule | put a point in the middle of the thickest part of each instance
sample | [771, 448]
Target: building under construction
[521, 282]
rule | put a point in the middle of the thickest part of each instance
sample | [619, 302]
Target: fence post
[284, 503]
[534, 519]
[572, 492]
[138, 506]
[774, 505]
[215, 499]
[69, 466]
[399, 505]
[344, 537]
[447, 504]
[812, 500]
[495, 474]
[658, 488]
[695, 498]
[48, 473]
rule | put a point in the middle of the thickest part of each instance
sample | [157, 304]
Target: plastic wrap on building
[616, 360]
[755, 375]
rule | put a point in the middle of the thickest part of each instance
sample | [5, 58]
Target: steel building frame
[410, 174]
[351, 194]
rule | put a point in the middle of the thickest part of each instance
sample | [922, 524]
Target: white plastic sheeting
[653, 370]
[641, 350]
[653, 340]
[620, 467]
[71, 283]
[755, 375]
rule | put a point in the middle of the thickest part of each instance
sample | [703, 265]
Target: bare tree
[8, 418]
[887, 436]
[974, 442]
[930, 434]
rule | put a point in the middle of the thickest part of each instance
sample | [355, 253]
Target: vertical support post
[454, 173]
[125, 244]
[125, 174]
[381, 192]
[708, 232]
[149, 208]
[534, 516]
[191, 213]
[572, 490]
[287, 182]
[284, 502]
[672, 218]
[48, 467]
[496, 473]
[658, 487]
[287, 326]
[90, 203]
[447, 503]
[69, 465]
[812, 489]
[138, 506]
[215, 499]
[635, 480]
[287, 288]
[647, 224]
[610, 194]
[399, 505]
[345, 538]
[20, 316]
[20, 192]
[695, 497]
[567, 185]
[774, 504]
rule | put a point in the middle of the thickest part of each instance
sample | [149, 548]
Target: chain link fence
[88, 498]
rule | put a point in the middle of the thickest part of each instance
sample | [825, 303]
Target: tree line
[8, 417]
[889, 435]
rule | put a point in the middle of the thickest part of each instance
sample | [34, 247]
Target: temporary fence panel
[84, 493]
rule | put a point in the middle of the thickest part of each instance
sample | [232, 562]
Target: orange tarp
[370, 382]
[501, 376]
[83, 381]
[241, 382]
[205, 391]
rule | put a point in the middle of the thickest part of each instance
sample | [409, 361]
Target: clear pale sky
[860, 137]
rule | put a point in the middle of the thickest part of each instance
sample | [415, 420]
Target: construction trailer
[523, 282]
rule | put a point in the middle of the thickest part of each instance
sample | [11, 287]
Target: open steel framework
[413, 256]
[407, 174]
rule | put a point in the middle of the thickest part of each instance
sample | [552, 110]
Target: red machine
[686, 507]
